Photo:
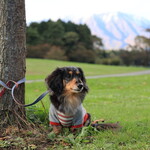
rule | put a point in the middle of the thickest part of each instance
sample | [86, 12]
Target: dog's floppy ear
[83, 80]
[55, 82]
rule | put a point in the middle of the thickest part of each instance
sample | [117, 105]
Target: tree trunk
[12, 59]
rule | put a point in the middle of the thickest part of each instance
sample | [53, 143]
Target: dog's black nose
[80, 85]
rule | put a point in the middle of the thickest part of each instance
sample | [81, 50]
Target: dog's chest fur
[70, 102]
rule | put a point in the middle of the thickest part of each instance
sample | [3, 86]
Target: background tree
[97, 42]
[66, 39]
[70, 42]
[12, 59]
[140, 51]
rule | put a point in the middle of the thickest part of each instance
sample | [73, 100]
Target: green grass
[40, 68]
[123, 99]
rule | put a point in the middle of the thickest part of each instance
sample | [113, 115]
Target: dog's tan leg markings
[57, 129]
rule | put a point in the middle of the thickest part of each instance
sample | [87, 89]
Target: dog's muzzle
[79, 87]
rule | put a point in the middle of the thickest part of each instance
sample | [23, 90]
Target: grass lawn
[40, 68]
[122, 99]
[116, 99]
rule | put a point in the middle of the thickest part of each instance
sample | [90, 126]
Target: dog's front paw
[75, 130]
[57, 129]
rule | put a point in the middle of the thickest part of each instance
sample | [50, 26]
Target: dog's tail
[105, 126]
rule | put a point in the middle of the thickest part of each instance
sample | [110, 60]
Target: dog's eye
[78, 75]
[68, 76]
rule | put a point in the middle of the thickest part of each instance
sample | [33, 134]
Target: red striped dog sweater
[74, 121]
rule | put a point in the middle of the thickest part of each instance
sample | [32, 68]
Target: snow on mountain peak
[117, 29]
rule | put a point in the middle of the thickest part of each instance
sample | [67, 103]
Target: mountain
[116, 29]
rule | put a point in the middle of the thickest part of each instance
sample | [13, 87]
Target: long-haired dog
[69, 89]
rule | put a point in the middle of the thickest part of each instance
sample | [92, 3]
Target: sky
[39, 10]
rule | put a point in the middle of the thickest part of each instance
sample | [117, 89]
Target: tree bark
[12, 59]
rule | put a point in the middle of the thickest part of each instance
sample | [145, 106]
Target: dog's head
[67, 79]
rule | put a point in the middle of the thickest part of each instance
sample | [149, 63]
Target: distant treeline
[60, 40]
[69, 41]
